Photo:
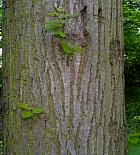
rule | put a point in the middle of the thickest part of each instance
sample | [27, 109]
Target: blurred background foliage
[132, 60]
[131, 10]
[132, 41]
[0, 44]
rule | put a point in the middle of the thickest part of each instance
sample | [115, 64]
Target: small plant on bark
[28, 112]
[56, 28]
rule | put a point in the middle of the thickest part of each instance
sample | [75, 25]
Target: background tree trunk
[83, 97]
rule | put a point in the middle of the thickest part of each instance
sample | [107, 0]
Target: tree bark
[83, 97]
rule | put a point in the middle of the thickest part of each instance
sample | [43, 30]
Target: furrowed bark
[83, 97]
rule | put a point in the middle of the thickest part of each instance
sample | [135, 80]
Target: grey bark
[83, 97]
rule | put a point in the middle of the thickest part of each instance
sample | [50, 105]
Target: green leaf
[77, 48]
[66, 48]
[54, 23]
[24, 106]
[60, 34]
[27, 115]
[62, 21]
[60, 10]
[53, 14]
[38, 110]
[68, 16]
[53, 26]
[49, 28]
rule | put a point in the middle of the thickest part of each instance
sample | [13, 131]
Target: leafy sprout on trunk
[56, 28]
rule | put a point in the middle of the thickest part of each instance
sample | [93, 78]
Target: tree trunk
[83, 96]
